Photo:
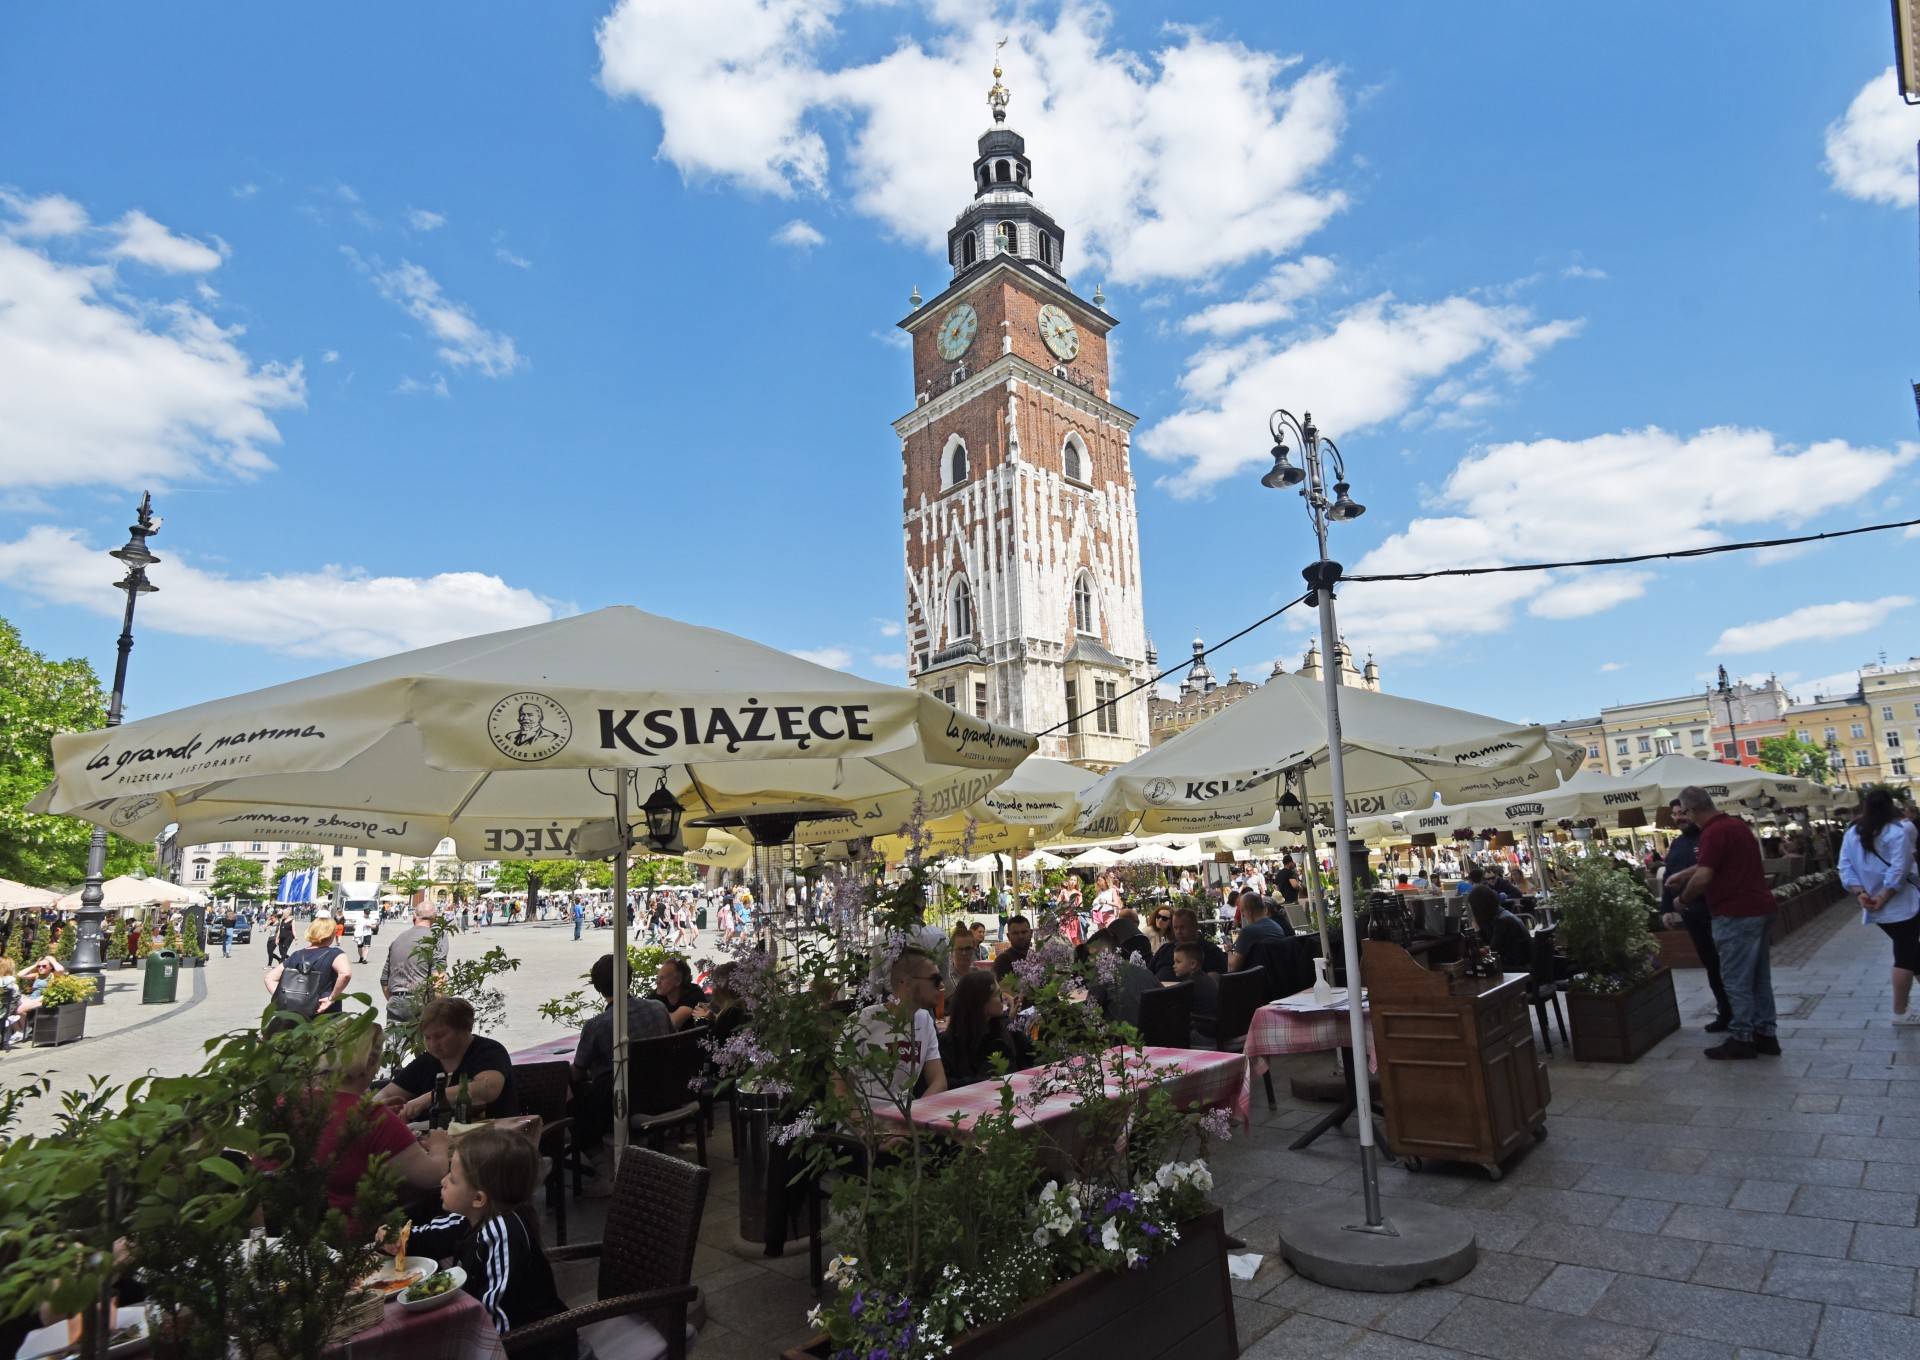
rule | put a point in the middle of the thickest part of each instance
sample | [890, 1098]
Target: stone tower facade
[1022, 539]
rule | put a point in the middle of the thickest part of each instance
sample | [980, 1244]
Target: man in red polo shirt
[1727, 870]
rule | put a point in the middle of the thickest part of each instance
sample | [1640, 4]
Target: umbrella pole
[621, 982]
[1349, 932]
[1318, 888]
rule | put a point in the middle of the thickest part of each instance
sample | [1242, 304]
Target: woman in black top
[1501, 931]
[977, 1030]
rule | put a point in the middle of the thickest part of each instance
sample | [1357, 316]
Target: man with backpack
[311, 981]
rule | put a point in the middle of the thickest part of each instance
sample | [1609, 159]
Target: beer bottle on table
[438, 1116]
[463, 1106]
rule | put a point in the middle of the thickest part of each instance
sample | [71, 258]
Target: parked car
[242, 927]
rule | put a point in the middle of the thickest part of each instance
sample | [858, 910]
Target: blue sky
[423, 321]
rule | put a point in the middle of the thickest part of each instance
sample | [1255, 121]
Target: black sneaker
[1719, 1026]
[1767, 1045]
[1733, 1048]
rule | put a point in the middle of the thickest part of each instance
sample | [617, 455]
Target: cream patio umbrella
[1662, 778]
[127, 891]
[14, 895]
[1099, 857]
[533, 743]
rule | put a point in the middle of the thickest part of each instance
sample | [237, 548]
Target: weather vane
[998, 96]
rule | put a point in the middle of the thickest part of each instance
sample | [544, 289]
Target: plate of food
[440, 1287]
[400, 1273]
[58, 1342]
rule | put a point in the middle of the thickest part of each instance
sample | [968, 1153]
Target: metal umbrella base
[1417, 1244]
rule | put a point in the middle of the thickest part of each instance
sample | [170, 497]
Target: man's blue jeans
[1747, 974]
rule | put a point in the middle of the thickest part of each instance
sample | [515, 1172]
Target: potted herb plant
[1621, 1001]
[61, 1016]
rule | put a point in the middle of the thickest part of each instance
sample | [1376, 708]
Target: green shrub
[64, 988]
[1603, 927]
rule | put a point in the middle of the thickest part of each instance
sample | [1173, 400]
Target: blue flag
[298, 887]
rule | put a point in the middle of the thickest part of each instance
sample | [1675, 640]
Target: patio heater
[134, 553]
[1352, 1243]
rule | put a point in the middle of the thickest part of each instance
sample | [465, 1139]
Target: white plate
[422, 1305]
[420, 1266]
[53, 1340]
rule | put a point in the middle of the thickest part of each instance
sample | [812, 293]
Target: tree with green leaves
[1795, 756]
[38, 699]
[660, 873]
[237, 876]
[410, 882]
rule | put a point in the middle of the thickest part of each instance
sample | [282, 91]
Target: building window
[1620, 746]
[199, 871]
[359, 873]
[362, 852]
[386, 873]
[339, 850]
[1830, 734]
[1863, 759]
[1753, 748]
[946, 694]
[953, 462]
[979, 698]
[1916, 710]
[336, 873]
[1625, 765]
[1107, 718]
[1593, 751]
[961, 613]
[1899, 766]
[1893, 741]
[1858, 730]
[1006, 238]
[1699, 736]
[1073, 459]
[1073, 708]
[285, 846]
[969, 251]
[1001, 174]
[1646, 745]
[1085, 618]
[1042, 241]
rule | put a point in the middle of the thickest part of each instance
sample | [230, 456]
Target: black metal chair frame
[537, 1090]
[661, 1094]
[1166, 1016]
[1231, 1012]
[1543, 988]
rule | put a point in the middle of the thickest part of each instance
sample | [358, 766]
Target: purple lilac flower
[1031, 971]
[1217, 1124]
[900, 1310]
[1106, 966]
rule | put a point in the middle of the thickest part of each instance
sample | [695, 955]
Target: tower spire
[998, 96]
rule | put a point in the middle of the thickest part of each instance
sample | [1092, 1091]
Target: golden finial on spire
[998, 96]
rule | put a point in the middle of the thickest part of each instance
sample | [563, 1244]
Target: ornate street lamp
[1836, 763]
[1725, 690]
[135, 556]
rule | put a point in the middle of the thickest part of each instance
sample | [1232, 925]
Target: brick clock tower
[1023, 543]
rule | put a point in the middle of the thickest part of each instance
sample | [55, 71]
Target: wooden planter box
[54, 1025]
[1181, 1305]
[1676, 949]
[1620, 1027]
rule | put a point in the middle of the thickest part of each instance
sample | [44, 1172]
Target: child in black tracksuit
[488, 1185]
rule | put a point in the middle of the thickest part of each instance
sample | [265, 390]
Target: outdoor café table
[1195, 1077]
[460, 1330]
[1299, 1024]
[553, 1050]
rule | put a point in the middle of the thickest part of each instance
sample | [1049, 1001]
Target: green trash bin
[162, 983]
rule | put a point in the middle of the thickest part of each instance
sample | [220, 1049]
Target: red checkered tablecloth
[554, 1050]
[460, 1330]
[1197, 1077]
[1279, 1029]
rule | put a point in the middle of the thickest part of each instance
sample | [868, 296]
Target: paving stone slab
[1765, 1197]
[1673, 1347]
[1785, 1121]
[1796, 1170]
[1304, 1337]
[1509, 1278]
[1607, 1249]
[1891, 1176]
[1640, 1215]
[1566, 1206]
[1898, 1208]
[1668, 1185]
[1507, 1331]
[1571, 1289]
[1251, 1321]
[1858, 1334]
[1418, 1313]
[1731, 1267]
[1905, 1150]
[1731, 1315]
[1301, 1295]
[1856, 1284]
[1888, 1246]
[1374, 1346]
[1773, 1232]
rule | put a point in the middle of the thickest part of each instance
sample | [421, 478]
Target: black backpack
[306, 980]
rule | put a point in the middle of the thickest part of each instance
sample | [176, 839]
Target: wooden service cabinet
[1458, 1071]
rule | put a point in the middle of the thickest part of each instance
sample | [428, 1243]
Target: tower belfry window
[1000, 174]
[969, 252]
[1007, 237]
[961, 615]
[953, 462]
[1073, 459]
[1085, 618]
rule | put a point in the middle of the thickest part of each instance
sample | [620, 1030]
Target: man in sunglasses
[899, 1039]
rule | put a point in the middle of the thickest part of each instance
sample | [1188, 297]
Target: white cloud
[1813, 623]
[1870, 148]
[421, 219]
[247, 190]
[98, 387]
[463, 341]
[416, 387]
[1553, 499]
[1610, 666]
[331, 356]
[1583, 271]
[1270, 300]
[505, 256]
[148, 242]
[894, 663]
[1174, 164]
[890, 628]
[837, 658]
[1377, 362]
[335, 611]
[1833, 686]
[800, 234]
[1592, 592]
[47, 215]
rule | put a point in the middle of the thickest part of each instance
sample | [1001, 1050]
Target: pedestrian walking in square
[1877, 866]
[1728, 873]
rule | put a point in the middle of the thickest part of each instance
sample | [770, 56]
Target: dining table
[461, 1330]
[1301, 1024]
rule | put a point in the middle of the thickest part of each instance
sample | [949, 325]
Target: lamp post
[136, 557]
[1725, 690]
[1836, 763]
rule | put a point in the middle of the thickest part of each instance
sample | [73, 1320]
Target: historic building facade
[1891, 691]
[1201, 695]
[1022, 538]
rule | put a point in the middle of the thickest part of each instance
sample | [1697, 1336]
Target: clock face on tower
[1056, 328]
[957, 331]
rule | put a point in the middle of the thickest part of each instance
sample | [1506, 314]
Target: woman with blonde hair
[311, 965]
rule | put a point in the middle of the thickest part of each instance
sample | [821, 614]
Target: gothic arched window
[1009, 238]
[960, 615]
[1073, 459]
[1000, 174]
[1086, 618]
[953, 462]
[969, 252]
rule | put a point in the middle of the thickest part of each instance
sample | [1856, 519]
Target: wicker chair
[646, 1260]
[1241, 994]
[663, 1076]
[542, 1088]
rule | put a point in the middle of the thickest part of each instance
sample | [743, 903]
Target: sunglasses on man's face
[934, 978]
